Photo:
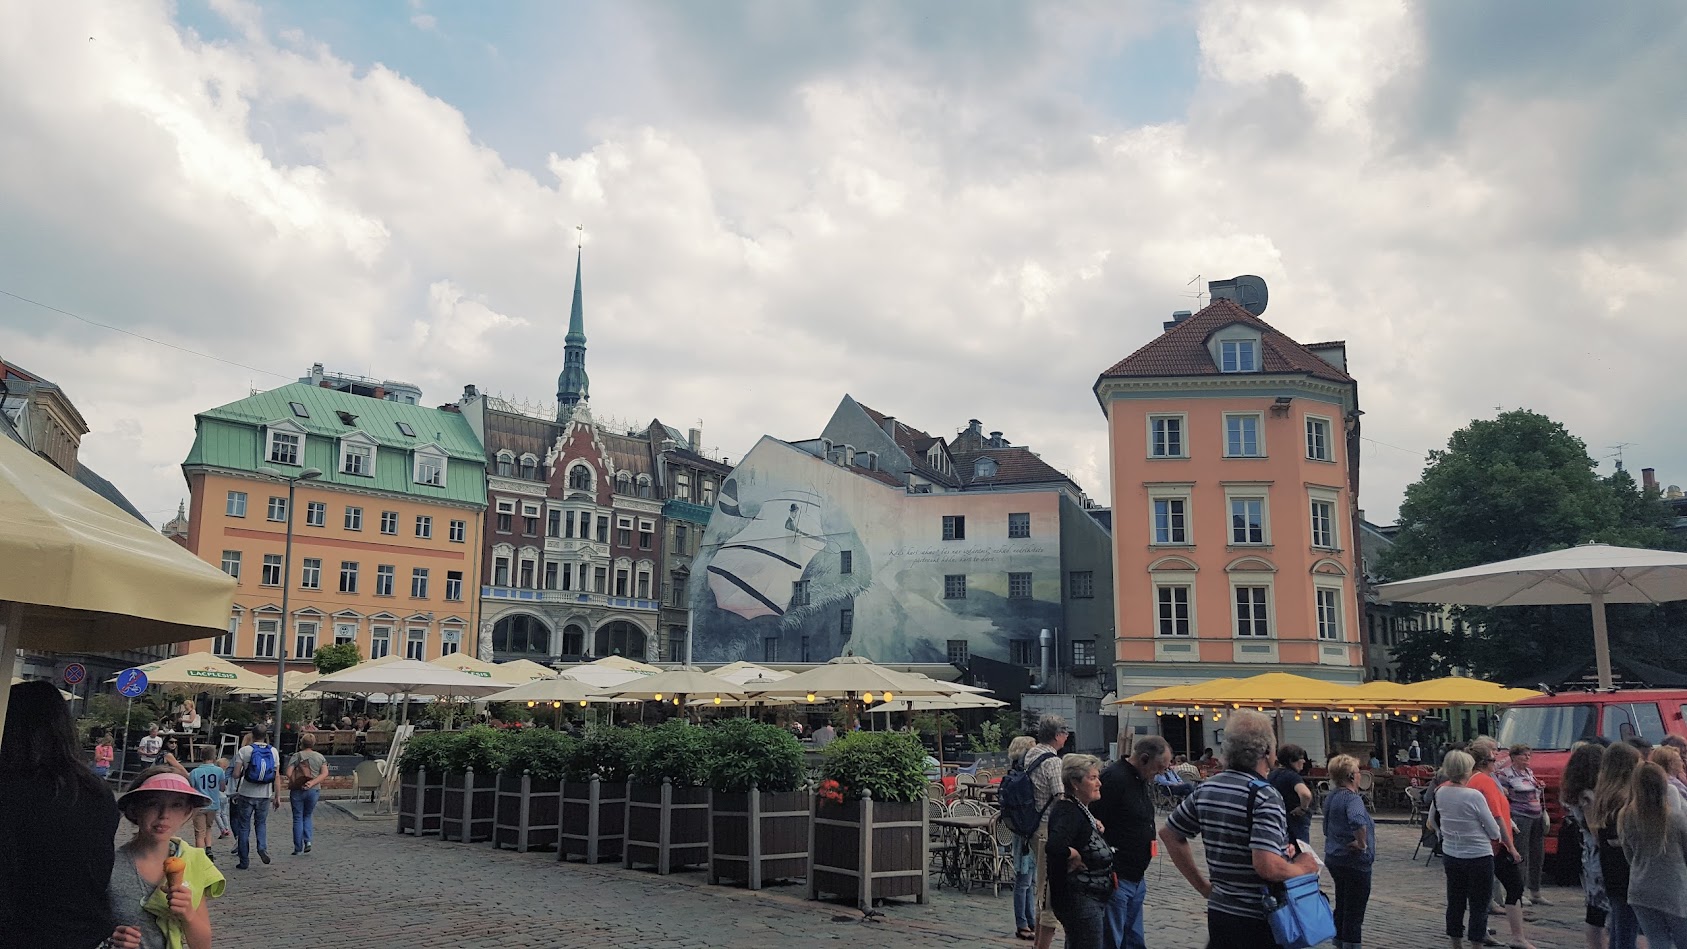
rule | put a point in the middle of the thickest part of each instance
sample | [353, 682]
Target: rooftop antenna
[1200, 294]
[1617, 452]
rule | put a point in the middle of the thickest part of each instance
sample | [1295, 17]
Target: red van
[1551, 724]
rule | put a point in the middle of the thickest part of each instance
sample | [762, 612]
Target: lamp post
[308, 474]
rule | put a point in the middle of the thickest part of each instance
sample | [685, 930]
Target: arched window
[529, 467]
[506, 463]
[624, 483]
[620, 638]
[521, 634]
[644, 486]
[580, 478]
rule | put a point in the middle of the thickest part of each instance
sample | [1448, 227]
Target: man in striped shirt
[1243, 854]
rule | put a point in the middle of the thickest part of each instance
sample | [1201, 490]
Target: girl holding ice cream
[160, 883]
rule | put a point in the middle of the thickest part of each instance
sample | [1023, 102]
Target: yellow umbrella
[1176, 695]
[82, 575]
[1457, 690]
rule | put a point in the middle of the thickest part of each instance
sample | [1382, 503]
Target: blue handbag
[1298, 911]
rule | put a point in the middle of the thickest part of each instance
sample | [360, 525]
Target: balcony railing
[572, 597]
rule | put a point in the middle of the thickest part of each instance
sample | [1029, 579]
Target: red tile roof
[1182, 350]
[915, 444]
[1015, 464]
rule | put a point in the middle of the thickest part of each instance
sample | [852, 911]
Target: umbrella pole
[11, 637]
[1601, 643]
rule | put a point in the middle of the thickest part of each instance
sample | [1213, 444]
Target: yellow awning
[1457, 690]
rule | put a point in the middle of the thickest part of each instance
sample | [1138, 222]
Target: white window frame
[1329, 438]
[277, 509]
[1188, 588]
[458, 581]
[389, 519]
[344, 632]
[380, 640]
[459, 531]
[259, 631]
[353, 518]
[1171, 492]
[362, 447]
[309, 580]
[506, 464]
[1336, 614]
[233, 561]
[386, 575]
[235, 506]
[1314, 497]
[424, 526]
[265, 567]
[316, 513]
[429, 456]
[1253, 342]
[1182, 419]
[288, 429]
[1242, 581]
[450, 640]
[419, 577]
[416, 647]
[1244, 491]
[224, 644]
[1259, 434]
[299, 625]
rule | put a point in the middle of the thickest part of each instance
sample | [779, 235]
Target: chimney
[890, 426]
[995, 439]
[1178, 316]
[697, 440]
[870, 460]
[1648, 479]
[316, 374]
[470, 393]
[975, 427]
[848, 455]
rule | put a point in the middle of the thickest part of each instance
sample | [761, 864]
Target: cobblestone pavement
[366, 886]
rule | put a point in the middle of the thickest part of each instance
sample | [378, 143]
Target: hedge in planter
[421, 787]
[529, 812]
[471, 783]
[758, 814]
[594, 794]
[869, 835]
[667, 802]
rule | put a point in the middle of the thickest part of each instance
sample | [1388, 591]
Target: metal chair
[1368, 790]
[965, 807]
[1414, 798]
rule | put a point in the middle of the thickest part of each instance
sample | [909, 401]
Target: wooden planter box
[868, 850]
[759, 836]
[529, 813]
[667, 826]
[594, 820]
[471, 804]
[421, 803]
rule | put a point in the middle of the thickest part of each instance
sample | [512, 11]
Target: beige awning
[203, 672]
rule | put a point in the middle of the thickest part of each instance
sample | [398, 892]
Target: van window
[1546, 727]
[1633, 720]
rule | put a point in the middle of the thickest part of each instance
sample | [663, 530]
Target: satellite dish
[1247, 291]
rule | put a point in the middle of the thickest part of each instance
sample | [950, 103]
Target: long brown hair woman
[1610, 796]
[1653, 825]
[1581, 776]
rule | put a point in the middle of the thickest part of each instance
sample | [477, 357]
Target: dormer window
[506, 464]
[284, 443]
[530, 467]
[1238, 355]
[984, 468]
[357, 460]
[430, 467]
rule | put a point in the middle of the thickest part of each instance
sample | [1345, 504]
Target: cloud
[932, 213]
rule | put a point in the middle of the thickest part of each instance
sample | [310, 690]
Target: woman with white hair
[1080, 861]
[1468, 831]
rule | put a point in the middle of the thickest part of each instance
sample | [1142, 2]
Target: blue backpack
[261, 767]
[1018, 797]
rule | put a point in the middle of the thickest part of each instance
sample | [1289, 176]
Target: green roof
[232, 436]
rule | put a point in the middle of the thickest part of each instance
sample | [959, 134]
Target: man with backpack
[254, 772]
[1025, 795]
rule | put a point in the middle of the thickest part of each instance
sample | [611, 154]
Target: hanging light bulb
[717, 700]
[1297, 716]
[1218, 716]
[676, 700]
[658, 696]
[1314, 716]
[885, 697]
[531, 704]
[556, 704]
[582, 703]
[811, 696]
[1179, 714]
[867, 697]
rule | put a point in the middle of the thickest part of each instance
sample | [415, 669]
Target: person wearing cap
[150, 913]
[246, 800]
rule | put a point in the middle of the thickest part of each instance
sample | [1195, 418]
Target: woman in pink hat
[160, 883]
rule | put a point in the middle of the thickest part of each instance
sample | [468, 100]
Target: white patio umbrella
[67, 695]
[939, 703]
[677, 685]
[855, 680]
[505, 673]
[1595, 574]
[561, 688]
[602, 676]
[202, 672]
[623, 663]
[742, 672]
[407, 677]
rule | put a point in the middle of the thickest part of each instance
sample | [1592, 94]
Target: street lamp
[308, 474]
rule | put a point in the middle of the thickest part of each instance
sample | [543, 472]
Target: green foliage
[936, 724]
[430, 750]
[744, 752]
[295, 712]
[988, 741]
[889, 764]
[541, 752]
[511, 711]
[1007, 719]
[336, 657]
[675, 751]
[481, 748]
[1508, 487]
[604, 750]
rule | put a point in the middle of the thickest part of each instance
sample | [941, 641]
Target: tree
[1512, 486]
[336, 657]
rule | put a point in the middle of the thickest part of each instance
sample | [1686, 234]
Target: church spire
[572, 385]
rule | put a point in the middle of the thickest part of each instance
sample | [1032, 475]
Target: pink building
[1235, 462]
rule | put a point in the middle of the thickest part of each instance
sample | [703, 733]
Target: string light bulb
[557, 704]
[885, 697]
[717, 700]
[676, 700]
[867, 697]
[530, 704]
[582, 703]
[811, 696]
[658, 696]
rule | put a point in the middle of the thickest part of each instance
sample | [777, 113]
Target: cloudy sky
[949, 211]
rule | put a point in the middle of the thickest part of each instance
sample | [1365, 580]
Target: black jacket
[1126, 810]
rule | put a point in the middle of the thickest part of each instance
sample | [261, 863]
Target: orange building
[1235, 465]
[385, 541]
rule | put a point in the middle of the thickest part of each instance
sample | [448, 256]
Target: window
[526, 581]
[236, 504]
[624, 483]
[1165, 436]
[304, 639]
[641, 588]
[316, 514]
[553, 570]
[380, 642]
[1019, 525]
[389, 522]
[602, 529]
[530, 467]
[459, 531]
[1171, 522]
[1082, 584]
[770, 649]
[283, 448]
[310, 573]
[268, 631]
[348, 576]
[1023, 652]
[506, 464]
[682, 485]
[1251, 612]
[955, 586]
[277, 509]
[1083, 652]
[384, 575]
[580, 478]
[1632, 720]
[231, 563]
[954, 527]
[1019, 586]
[1323, 524]
[405, 430]
[1329, 613]
[1247, 520]
[530, 523]
[1318, 439]
[600, 579]
[958, 652]
[1238, 355]
[709, 497]
[568, 525]
[500, 571]
[506, 521]
[1172, 608]
[424, 526]
[450, 641]
[1241, 436]
[646, 535]
[682, 538]
[430, 469]
[573, 641]
[846, 623]
[624, 531]
[419, 583]
[345, 633]
[416, 644]
[271, 576]
[454, 584]
[354, 518]
[553, 524]
[299, 410]
[357, 460]
[985, 468]
[621, 582]
[799, 593]
[223, 645]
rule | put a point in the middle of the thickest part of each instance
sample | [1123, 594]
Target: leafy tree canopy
[334, 658]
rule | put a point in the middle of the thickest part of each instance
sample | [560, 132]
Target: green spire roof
[577, 313]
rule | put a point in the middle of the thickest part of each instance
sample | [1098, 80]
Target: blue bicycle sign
[131, 683]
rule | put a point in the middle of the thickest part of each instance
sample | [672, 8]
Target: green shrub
[481, 749]
[542, 753]
[889, 764]
[673, 751]
[430, 750]
[605, 751]
[744, 752]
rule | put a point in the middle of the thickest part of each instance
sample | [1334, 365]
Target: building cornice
[336, 487]
[1228, 385]
[521, 486]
